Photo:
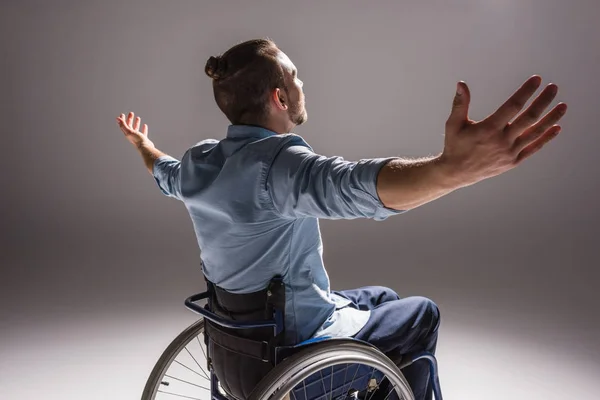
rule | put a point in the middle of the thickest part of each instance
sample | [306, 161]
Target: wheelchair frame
[277, 324]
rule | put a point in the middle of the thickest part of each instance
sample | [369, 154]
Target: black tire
[167, 357]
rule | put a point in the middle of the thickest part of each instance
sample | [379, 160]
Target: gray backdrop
[96, 262]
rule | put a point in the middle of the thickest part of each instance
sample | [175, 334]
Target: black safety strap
[259, 350]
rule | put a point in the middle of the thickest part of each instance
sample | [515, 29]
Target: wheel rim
[290, 381]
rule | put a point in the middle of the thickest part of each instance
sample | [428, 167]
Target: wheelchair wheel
[334, 370]
[181, 371]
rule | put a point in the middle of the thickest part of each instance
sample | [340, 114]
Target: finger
[145, 130]
[136, 127]
[123, 126]
[130, 119]
[124, 129]
[514, 104]
[121, 120]
[538, 144]
[533, 112]
[460, 107]
[538, 129]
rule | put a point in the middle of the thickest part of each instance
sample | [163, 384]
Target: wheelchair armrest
[190, 303]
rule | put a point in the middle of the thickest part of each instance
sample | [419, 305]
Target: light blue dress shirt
[255, 198]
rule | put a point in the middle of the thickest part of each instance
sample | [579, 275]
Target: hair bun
[214, 67]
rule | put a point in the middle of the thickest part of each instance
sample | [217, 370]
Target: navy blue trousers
[398, 326]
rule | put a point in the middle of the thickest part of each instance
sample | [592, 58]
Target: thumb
[460, 107]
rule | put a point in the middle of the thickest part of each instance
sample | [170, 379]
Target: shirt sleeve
[302, 183]
[167, 174]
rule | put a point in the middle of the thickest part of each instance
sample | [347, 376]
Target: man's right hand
[474, 151]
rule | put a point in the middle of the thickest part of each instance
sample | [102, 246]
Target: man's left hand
[132, 130]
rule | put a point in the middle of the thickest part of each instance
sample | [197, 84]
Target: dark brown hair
[243, 78]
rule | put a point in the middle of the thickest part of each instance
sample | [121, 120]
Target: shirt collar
[248, 131]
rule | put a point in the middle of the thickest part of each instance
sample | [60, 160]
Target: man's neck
[276, 126]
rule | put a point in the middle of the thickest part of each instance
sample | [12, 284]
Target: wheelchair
[321, 368]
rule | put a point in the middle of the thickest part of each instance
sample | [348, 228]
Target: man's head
[255, 83]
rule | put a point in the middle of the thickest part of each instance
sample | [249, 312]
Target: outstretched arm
[474, 150]
[302, 183]
[164, 168]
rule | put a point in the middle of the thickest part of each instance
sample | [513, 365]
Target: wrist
[451, 174]
[145, 144]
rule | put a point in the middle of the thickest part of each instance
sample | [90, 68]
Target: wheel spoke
[390, 392]
[353, 378]
[195, 372]
[197, 363]
[180, 395]
[323, 382]
[345, 375]
[202, 348]
[188, 382]
[331, 384]
[305, 395]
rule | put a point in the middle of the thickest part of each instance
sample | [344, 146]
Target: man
[255, 197]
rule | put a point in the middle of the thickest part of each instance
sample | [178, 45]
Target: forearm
[149, 154]
[406, 184]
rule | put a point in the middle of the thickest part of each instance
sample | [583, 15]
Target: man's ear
[279, 99]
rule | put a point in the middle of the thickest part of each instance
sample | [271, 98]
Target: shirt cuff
[369, 170]
[160, 160]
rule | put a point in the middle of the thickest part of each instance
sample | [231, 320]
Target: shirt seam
[266, 171]
[289, 262]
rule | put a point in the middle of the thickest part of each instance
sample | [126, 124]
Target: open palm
[132, 130]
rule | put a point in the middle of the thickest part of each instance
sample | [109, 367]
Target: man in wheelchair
[255, 199]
